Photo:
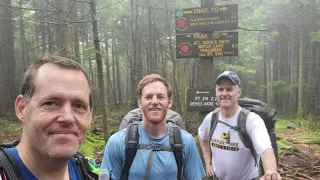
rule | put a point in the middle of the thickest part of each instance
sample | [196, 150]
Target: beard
[54, 149]
[155, 118]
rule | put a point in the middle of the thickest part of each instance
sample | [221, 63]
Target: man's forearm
[206, 151]
[268, 160]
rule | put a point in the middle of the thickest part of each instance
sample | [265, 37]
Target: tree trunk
[150, 60]
[265, 75]
[206, 64]
[310, 88]
[133, 62]
[176, 101]
[99, 70]
[300, 94]
[113, 70]
[118, 75]
[50, 36]
[109, 89]
[75, 32]
[7, 60]
[63, 39]
[317, 77]
[22, 41]
[293, 73]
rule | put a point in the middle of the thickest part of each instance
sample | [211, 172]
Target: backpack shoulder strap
[175, 141]
[214, 121]
[243, 133]
[84, 167]
[213, 125]
[8, 164]
[132, 140]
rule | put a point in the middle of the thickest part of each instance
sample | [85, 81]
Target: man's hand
[271, 175]
[209, 170]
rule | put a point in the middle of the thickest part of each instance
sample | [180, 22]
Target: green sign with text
[216, 18]
[217, 44]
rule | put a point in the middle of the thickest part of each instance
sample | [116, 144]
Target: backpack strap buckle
[154, 147]
[177, 147]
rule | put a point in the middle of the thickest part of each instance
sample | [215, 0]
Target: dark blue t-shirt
[27, 174]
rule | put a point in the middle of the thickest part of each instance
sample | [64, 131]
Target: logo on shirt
[225, 143]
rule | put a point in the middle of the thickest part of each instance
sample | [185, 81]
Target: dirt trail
[302, 161]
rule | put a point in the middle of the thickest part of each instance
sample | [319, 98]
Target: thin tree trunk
[133, 62]
[317, 77]
[99, 70]
[7, 59]
[22, 37]
[150, 60]
[265, 75]
[177, 104]
[63, 40]
[118, 75]
[300, 94]
[50, 36]
[113, 70]
[310, 87]
[109, 89]
[293, 73]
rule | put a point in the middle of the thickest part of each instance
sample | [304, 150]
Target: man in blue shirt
[55, 109]
[154, 98]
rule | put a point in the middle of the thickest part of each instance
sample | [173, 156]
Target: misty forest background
[120, 41]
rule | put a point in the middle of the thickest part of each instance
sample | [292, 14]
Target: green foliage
[284, 147]
[287, 87]
[315, 36]
[308, 134]
[282, 124]
[91, 144]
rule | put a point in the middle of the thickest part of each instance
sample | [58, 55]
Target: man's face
[57, 116]
[154, 102]
[227, 94]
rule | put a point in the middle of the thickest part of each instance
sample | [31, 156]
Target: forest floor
[299, 149]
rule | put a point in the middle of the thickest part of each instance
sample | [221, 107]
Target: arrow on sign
[223, 8]
[187, 12]
[199, 92]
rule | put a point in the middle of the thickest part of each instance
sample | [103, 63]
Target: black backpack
[251, 105]
[13, 172]
[132, 120]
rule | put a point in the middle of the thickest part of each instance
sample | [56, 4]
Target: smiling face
[227, 94]
[154, 102]
[57, 116]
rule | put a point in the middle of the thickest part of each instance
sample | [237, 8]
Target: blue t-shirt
[27, 174]
[163, 165]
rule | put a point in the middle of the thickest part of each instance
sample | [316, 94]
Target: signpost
[197, 36]
[207, 19]
[215, 44]
[202, 100]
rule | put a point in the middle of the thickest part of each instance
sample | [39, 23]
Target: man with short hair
[55, 109]
[230, 158]
[154, 98]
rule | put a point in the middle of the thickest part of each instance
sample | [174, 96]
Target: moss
[307, 134]
[284, 147]
[314, 141]
[92, 144]
[282, 124]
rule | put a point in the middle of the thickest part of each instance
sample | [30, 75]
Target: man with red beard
[231, 160]
[154, 98]
[55, 109]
